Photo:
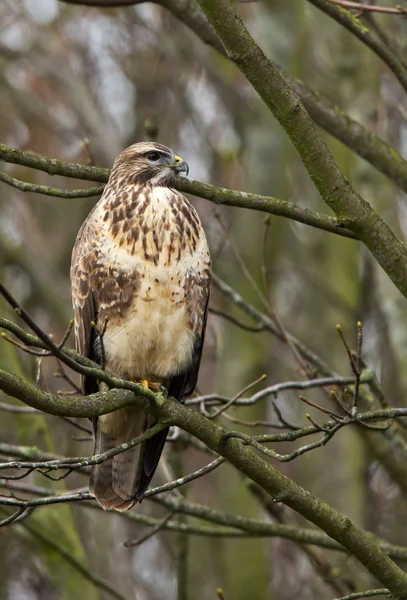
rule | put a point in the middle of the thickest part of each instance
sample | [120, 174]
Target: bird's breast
[161, 249]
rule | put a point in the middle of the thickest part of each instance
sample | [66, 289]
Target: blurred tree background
[81, 83]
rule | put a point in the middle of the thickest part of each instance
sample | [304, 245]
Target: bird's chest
[153, 338]
[153, 261]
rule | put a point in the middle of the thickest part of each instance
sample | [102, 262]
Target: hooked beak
[181, 166]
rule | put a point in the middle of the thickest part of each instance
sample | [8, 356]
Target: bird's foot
[154, 386]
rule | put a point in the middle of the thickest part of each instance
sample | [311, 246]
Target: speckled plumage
[141, 259]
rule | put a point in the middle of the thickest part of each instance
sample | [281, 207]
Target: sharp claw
[163, 390]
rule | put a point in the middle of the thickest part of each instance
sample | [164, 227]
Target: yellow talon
[144, 383]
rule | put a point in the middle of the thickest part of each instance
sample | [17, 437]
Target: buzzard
[140, 279]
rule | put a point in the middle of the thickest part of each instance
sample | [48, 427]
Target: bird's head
[150, 162]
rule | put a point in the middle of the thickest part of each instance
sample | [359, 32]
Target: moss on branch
[351, 210]
[266, 204]
[77, 406]
[350, 132]
[337, 526]
[203, 190]
[282, 489]
[52, 166]
[47, 190]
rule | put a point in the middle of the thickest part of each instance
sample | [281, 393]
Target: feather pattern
[140, 270]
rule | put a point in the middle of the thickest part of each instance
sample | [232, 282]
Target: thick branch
[203, 190]
[242, 457]
[284, 490]
[350, 209]
[350, 132]
[266, 204]
[72, 406]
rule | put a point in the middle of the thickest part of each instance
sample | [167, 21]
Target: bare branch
[230, 525]
[368, 594]
[186, 479]
[360, 31]
[232, 319]
[52, 166]
[12, 517]
[209, 192]
[46, 190]
[160, 525]
[361, 8]
[79, 462]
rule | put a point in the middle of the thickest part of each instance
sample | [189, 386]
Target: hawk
[140, 280]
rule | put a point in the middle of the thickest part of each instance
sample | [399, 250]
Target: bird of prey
[140, 279]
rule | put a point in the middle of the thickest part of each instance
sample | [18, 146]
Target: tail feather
[153, 449]
[114, 483]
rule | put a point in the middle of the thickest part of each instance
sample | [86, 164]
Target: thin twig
[264, 269]
[18, 409]
[220, 410]
[398, 10]
[46, 190]
[239, 259]
[153, 531]
[232, 319]
[71, 464]
[12, 517]
[186, 479]
[367, 594]
[24, 348]
[273, 390]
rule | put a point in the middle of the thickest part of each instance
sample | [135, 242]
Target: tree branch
[367, 594]
[369, 146]
[350, 132]
[46, 190]
[242, 457]
[360, 7]
[79, 566]
[230, 525]
[52, 166]
[212, 193]
[345, 18]
[266, 204]
[350, 208]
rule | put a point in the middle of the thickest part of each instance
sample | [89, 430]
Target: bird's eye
[153, 156]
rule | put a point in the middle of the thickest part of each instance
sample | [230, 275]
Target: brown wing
[85, 302]
[97, 288]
